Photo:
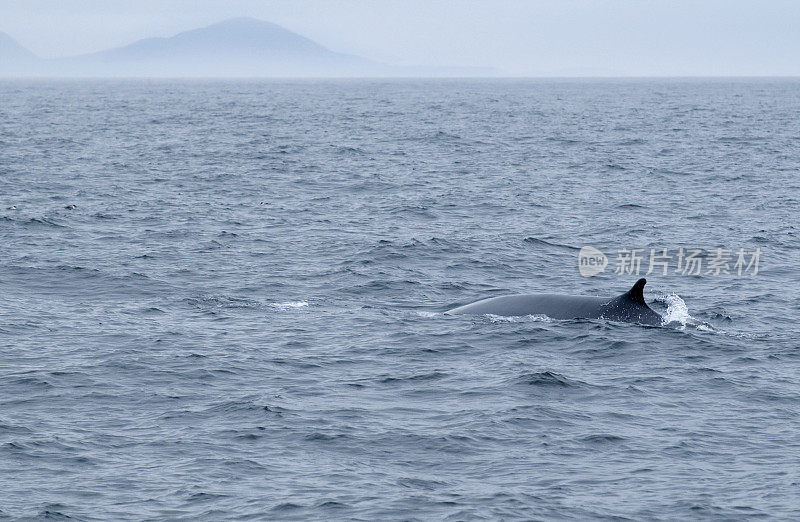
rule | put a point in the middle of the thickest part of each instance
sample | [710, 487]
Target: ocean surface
[224, 299]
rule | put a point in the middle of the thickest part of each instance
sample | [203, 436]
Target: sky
[517, 37]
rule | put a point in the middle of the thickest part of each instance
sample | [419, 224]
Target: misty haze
[239, 47]
[619, 38]
[236, 47]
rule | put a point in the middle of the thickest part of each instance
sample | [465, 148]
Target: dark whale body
[629, 307]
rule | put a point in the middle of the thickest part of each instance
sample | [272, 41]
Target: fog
[517, 38]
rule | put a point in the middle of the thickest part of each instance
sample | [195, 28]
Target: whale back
[631, 307]
[628, 307]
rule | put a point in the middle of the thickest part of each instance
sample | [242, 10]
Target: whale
[629, 307]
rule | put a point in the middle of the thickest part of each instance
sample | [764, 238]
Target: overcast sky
[533, 37]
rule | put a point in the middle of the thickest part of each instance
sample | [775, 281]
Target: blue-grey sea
[224, 299]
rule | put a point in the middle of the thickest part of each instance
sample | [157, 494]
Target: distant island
[239, 47]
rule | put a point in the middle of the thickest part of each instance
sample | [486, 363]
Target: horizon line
[487, 77]
[459, 71]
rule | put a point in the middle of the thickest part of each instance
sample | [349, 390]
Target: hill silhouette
[15, 59]
[238, 47]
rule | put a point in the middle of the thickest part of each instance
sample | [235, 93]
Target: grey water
[223, 299]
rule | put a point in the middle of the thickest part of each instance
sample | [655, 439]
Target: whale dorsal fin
[636, 293]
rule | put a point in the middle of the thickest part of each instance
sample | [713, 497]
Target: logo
[591, 261]
[687, 261]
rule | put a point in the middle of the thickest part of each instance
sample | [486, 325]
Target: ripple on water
[241, 317]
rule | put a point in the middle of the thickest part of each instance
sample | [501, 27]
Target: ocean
[224, 299]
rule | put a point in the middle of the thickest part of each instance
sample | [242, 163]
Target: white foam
[427, 314]
[677, 311]
[289, 305]
[518, 319]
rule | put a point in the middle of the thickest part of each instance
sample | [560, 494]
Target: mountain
[237, 47]
[11, 50]
[15, 60]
